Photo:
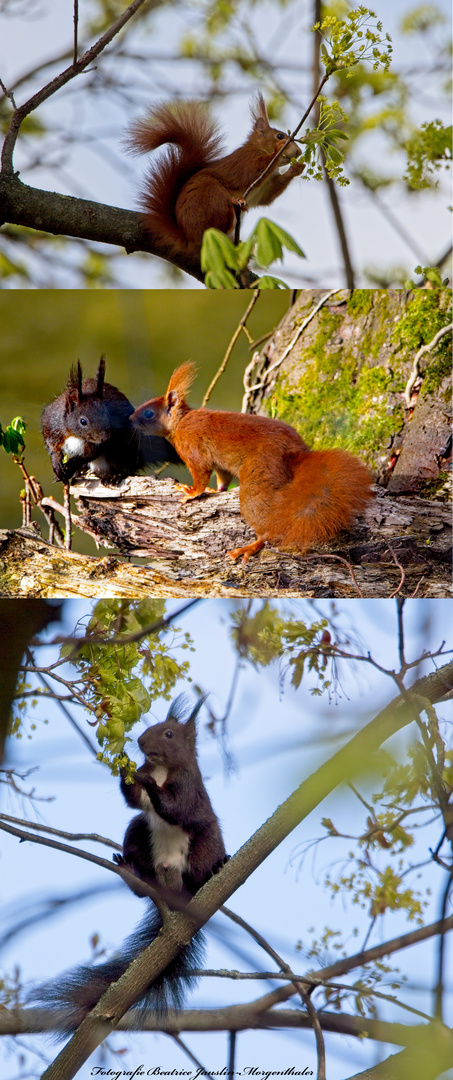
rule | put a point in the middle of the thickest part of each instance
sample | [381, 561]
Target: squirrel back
[292, 496]
[175, 844]
[191, 188]
[89, 425]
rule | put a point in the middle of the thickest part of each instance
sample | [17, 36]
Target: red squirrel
[174, 844]
[292, 496]
[193, 187]
[88, 427]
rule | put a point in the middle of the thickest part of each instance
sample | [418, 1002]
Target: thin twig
[67, 516]
[438, 1000]
[341, 559]
[230, 348]
[179, 1042]
[33, 490]
[65, 710]
[95, 837]
[60, 80]
[398, 564]
[76, 32]
[286, 970]
[290, 138]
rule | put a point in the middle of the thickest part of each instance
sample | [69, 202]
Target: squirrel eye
[280, 135]
[168, 733]
[83, 421]
[148, 414]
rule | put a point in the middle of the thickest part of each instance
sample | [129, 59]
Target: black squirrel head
[94, 408]
[172, 742]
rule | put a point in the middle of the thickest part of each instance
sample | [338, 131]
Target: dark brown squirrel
[292, 496]
[88, 426]
[174, 844]
[193, 187]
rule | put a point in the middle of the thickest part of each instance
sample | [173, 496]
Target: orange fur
[292, 496]
[192, 187]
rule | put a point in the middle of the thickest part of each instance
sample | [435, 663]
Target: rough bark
[185, 548]
[405, 446]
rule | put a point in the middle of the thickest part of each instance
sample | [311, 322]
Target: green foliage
[321, 144]
[428, 149]
[12, 437]
[352, 40]
[265, 636]
[120, 682]
[222, 261]
[422, 18]
[428, 273]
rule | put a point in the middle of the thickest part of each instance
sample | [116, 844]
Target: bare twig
[230, 348]
[76, 32]
[400, 568]
[95, 837]
[299, 986]
[60, 80]
[67, 516]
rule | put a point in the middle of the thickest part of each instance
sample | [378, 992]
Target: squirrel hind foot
[246, 551]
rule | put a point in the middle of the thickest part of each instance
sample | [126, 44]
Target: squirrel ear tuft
[259, 112]
[100, 374]
[180, 381]
[74, 383]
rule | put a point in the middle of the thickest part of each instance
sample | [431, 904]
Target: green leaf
[11, 438]
[270, 240]
[217, 250]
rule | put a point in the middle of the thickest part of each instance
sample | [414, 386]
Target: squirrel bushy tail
[325, 492]
[195, 143]
[81, 988]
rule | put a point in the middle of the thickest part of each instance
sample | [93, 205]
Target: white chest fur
[170, 843]
[73, 446]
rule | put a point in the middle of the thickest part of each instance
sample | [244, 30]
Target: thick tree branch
[64, 215]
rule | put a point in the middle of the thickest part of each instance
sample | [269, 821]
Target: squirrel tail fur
[195, 143]
[326, 490]
[81, 988]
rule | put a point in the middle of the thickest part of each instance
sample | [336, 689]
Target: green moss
[426, 313]
[360, 302]
[374, 338]
[439, 368]
[439, 489]
[337, 402]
